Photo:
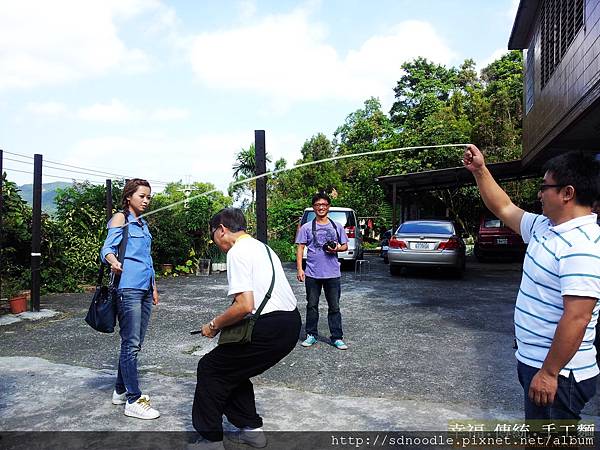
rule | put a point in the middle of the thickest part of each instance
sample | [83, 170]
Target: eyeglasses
[320, 205]
[212, 233]
[543, 187]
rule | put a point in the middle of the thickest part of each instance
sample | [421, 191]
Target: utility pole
[109, 202]
[36, 236]
[261, 186]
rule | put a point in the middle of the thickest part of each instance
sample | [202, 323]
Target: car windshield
[426, 228]
[342, 217]
[492, 222]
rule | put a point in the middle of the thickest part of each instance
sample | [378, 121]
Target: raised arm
[494, 197]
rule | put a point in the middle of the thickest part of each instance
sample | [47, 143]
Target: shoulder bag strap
[122, 248]
[270, 291]
[100, 274]
[337, 233]
[314, 231]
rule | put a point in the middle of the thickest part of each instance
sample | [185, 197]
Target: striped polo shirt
[560, 260]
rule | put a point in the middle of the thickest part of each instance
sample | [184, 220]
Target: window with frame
[560, 22]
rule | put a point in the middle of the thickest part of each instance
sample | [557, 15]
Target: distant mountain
[48, 194]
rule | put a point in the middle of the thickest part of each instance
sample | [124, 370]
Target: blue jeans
[569, 400]
[332, 288]
[134, 308]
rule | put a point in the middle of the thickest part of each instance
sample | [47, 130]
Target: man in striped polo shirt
[557, 309]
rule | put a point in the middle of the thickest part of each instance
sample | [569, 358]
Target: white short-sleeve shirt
[560, 260]
[249, 269]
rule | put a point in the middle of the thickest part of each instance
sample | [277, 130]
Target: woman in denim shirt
[136, 293]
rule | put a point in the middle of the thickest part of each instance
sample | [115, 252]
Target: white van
[347, 218]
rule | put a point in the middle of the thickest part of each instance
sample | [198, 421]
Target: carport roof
[454, 177]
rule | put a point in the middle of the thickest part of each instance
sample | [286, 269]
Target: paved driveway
[424, 349]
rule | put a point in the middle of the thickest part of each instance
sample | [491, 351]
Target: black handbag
[241, 332]
[102, 314]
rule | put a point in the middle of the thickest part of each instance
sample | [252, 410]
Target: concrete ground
[425, 350]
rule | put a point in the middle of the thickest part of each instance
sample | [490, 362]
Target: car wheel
[395, 270]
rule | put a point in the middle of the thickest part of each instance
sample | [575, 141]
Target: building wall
[559, 103]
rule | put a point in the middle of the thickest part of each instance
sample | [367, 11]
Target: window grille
[529, 77]
[560, 22]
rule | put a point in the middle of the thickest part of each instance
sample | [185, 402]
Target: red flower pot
[18, 304]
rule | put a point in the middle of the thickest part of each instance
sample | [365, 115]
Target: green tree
[244, 167]
[177, 229]
[15, 237]
[365, 130]
[424, 88]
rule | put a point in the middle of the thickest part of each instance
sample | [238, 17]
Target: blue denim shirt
[138, 269]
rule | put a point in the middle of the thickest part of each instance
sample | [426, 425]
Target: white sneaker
[119, 399]
[141, 409]
[254, 437]
[205, 444]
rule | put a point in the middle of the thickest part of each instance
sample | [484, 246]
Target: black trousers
[223, 378]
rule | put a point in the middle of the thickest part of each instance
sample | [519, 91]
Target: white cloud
[246, 9]
[287, 57]
[497, 54]
[169, 114]
[50, 42]
[115, 111]
[208, 157]
[52, 109]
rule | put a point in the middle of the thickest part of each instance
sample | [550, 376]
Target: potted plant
[218, 259]
[17, 297]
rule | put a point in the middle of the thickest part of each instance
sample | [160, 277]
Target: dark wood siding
[559, 102]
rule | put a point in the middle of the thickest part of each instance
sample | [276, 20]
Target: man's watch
[212, 326]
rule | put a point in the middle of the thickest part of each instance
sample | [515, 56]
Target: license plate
[421, 245]
[385, 247]
[501, 241]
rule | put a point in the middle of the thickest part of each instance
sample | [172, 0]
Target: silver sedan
[427, 243]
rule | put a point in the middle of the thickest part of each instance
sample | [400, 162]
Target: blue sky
[171, 90]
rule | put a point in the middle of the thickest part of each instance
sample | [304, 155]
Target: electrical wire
[63, 170]
[88, 171]
[44, 175]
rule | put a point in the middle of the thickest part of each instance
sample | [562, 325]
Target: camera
[329, 245]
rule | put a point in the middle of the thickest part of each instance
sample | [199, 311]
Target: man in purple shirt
[324, 238]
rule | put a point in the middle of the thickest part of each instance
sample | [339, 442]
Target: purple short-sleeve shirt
[319, 263]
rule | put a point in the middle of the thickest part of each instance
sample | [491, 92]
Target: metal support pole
[261, 186]
[394, 206]
[36, 236]
[109, 202]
